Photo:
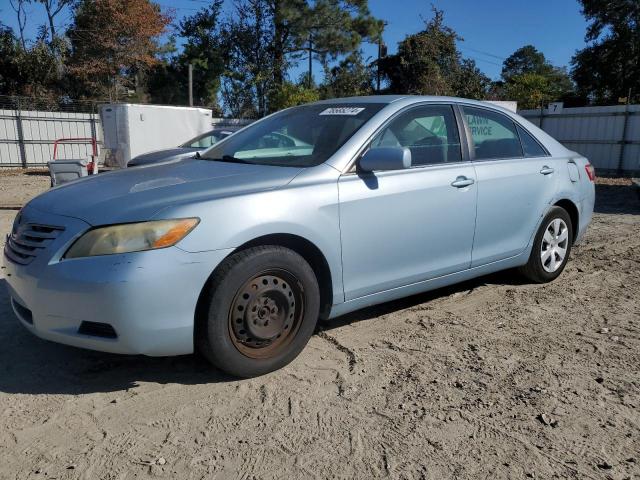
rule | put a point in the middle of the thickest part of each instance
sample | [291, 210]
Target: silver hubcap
[554, 245]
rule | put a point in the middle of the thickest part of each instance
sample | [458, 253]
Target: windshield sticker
[342, 111]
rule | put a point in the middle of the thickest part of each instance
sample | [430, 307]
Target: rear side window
[530, 145]
[430, 132]
[494, 135]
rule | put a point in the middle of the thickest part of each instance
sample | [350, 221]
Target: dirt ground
[18, 186]
[493, 378]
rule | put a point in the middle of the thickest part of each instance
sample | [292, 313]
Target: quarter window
[430, 132]
[494, 135]
[529, 144]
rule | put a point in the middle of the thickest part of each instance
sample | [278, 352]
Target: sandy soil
[489, 379]
[18, 186]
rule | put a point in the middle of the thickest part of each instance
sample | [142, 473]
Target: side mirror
[385, 158]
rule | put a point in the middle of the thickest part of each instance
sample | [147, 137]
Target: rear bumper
[585, 215]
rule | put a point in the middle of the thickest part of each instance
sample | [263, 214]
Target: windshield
[206, 139]
[303, 136]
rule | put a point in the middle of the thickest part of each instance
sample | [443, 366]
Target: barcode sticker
[342, 111]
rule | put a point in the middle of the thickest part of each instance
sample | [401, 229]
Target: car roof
[404, 100]
[386, 99]
[364, 99]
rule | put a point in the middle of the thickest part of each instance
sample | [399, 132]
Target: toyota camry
[307, 214]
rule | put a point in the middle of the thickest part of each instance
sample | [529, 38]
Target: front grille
[28, 240]
[97, 329]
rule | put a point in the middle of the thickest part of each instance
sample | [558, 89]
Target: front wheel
[551, 247]
[261, 309]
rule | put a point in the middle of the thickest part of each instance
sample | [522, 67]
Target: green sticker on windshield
[342, 111]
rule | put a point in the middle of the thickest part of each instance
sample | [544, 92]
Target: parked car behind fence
[186, 150]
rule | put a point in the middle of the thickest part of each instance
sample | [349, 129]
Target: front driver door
[406, 226]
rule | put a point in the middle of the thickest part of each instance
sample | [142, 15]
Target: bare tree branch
[53, 8]
[18, 7]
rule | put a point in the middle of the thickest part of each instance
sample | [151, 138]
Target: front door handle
[546, 170]
[462, 182]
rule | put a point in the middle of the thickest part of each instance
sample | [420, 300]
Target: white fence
[608, 136]
[27, 137]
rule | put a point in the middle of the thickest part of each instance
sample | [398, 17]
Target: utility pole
[382, 52]
[191, 85]
[310, 79]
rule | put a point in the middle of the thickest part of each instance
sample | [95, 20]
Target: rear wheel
[551, 247]
[261, 308]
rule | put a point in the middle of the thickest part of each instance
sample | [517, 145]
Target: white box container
[133, 129]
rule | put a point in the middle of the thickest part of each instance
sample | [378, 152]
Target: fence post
[23, 151]
[623, 141]
[92, 122]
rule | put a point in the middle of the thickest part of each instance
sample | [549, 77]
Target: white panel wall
[39, 131]
[596, 133]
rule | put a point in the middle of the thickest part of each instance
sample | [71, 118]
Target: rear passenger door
[516, 181]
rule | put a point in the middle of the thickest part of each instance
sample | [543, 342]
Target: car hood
[137, 194]
[163, 155]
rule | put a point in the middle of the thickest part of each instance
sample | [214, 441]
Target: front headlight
[131, 237]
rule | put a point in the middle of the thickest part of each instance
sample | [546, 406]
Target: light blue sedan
[239, 253]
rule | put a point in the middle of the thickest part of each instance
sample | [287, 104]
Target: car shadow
[617, 199]
[30, 365]
[506, 277]
[44, 172]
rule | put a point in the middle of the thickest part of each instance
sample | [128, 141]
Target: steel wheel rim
[266, 314]
[555, 243]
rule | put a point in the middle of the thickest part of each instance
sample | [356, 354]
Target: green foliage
[531, 80]
[41, 67]
[9, 72]
[204, 49]
[608, 68]
[470, 82]
[526, 59]
[265, 38]
[530, 90]
[291, 94]
[36, 70]
[241, 60]
[250, 60]
[429, 63]
[338, 27]
[350, 78]
[426, 62]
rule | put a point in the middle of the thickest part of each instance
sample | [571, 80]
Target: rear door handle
[546, 170]
[462, 182]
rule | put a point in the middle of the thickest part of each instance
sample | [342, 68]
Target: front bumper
[149, 298]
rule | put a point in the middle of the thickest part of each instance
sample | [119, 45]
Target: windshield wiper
[230, 159]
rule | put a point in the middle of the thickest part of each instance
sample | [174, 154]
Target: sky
[491, 29]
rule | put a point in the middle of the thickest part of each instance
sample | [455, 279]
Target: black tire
[534, 270]
[233, 331]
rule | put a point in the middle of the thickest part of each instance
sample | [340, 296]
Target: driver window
[430, 132]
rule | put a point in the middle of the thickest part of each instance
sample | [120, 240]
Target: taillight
[591, 172]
